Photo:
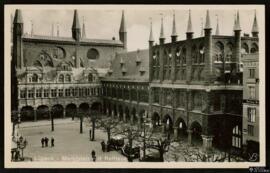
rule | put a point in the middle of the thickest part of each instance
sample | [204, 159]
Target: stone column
[207, 141]
[124, 117]
[175, 133]
[189, 137]
[64, 112]
[35, 114]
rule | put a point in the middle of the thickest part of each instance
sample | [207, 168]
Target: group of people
[45, 141]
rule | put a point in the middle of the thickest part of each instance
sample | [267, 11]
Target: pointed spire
[189, 27]
[255, 28]
[151, 37]
[202, 27]
[32, 28]
[18, 16]
[174, 26]
[52, 31]
[123, 23]
[162, 29]
[83, 30]
[207, 22]
[217, 28]
[76, 24]
[237, 23]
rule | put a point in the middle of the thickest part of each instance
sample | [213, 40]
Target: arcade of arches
[29, 113]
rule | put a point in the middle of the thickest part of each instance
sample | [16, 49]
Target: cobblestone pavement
[70, 145]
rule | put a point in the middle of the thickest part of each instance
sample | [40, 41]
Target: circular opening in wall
[92, 54]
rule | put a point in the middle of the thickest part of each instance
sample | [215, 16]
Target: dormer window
[61, 78]
[35, 78]
[68, 78]
[90, 77]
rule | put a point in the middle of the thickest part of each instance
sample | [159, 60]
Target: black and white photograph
[128, 86]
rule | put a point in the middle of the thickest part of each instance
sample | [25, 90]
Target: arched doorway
[96, 107]
[181, 128]
[57, 111]
[156, 120]
[120, 110]
[133, 114]
[27, 113]
[127, 114]
[43, 112]
[168, 125]
[196, 129]
[83, 110]
[71, 110]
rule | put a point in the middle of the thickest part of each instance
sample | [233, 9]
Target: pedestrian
[90, 134]
[103, 146]
[42, 142]
[108, 146]
[52, 142]
[46, 141]
[93, 155]
[12, 154]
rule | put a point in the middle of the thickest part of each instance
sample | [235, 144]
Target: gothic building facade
[59, 75]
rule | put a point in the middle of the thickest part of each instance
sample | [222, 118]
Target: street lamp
[52, 118]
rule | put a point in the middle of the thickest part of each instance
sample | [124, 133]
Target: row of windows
[68, 92]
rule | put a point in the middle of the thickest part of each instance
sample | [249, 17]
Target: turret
[83, 30]
[162, 37]
[174, 34]
[217, 28]
[123, 31]
[237, 40]
[76, 29]
[189, 33]
[17, 39]
[208, 47]
[255, 28]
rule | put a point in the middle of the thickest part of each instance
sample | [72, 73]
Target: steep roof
[130, 66]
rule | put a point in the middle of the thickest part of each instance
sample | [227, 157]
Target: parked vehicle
[152, 155]
[116, 142]
[131, 152]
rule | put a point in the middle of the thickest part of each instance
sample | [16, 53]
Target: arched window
[219, 53]
[90, 77]
[61, 78]
[68, 78]
[244, 49]
[236, 137]
[183, 56]
[194, 54]
[229, 52]
[92, 54]
[35, 78]
[201, 52]
[254, 48]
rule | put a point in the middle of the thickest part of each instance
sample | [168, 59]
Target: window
[39, 93]
[236, 137]
[92, 54]
[35, 78]
[252, 93]
[251, 114]
[80, 92]
[53, 93]
[68, 78]
[250, 130]
[23, 93]
[252, 73]
[74, 92]
[90, 77]
[60, 92]
[67, 92]
[156, 95]
[30, 93]
[46, 92]
[61, 78]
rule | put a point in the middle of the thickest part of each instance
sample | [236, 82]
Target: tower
[208, 47]
[174, 34]
[123, 31]
[151, 43]
[76, 29]
[237, 41]
[17, 39]
[189, 33]
[83, 30]
[255, 28]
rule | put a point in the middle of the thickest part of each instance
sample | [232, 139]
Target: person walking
[42, 142]
[52, 142]
[46, 141]
[93, 155]
[103, 146]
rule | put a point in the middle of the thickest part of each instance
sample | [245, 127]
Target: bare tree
[108, 124]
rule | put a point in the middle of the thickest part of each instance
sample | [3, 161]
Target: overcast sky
[104, 23]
